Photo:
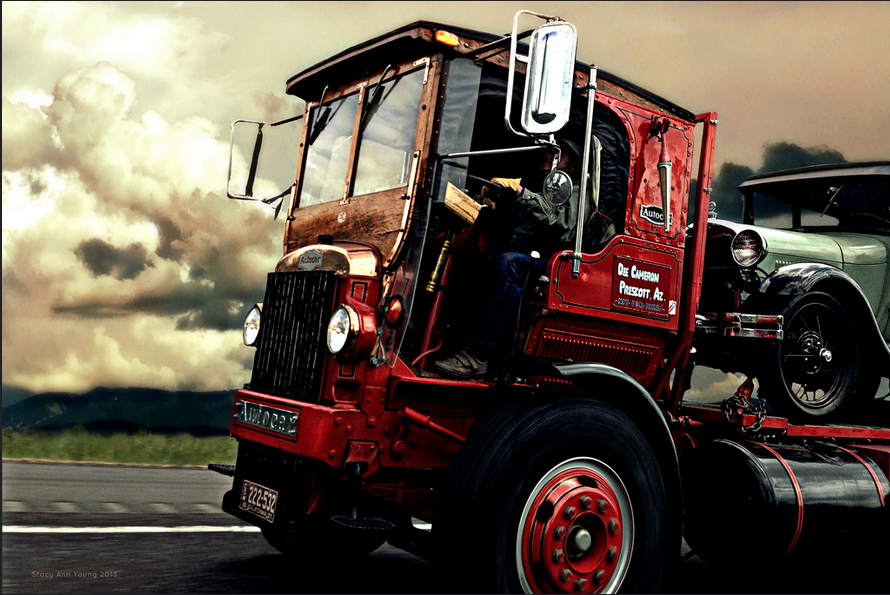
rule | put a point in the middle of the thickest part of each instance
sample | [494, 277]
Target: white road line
[185, 529]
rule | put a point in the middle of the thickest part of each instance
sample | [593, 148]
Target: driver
[539, 229]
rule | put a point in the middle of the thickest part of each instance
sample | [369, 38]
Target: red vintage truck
[574, 465]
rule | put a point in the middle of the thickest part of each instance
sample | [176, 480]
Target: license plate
[258, 500]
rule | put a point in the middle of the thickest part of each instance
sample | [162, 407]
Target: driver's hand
[512, 183]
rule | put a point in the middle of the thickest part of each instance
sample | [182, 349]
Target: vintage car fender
[797, 279]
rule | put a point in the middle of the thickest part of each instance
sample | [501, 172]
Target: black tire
[527, 469]
[812, 374]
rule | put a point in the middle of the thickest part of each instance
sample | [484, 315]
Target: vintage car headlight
[252, 325]
[343, 330]
[748, 248]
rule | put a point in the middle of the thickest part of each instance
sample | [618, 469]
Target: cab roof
[417, 39]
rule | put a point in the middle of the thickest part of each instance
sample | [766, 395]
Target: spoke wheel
[812, 372]
[557, 497]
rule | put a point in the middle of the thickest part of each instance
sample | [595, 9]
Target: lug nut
[610, 555]
[558, 556]
[602, 506]
[566, 575]
[559, 532]
[613, 526]
[586, 502]
[580, 584]
[569, 512]
[598, 576]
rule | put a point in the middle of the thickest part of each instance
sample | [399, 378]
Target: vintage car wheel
[811, 374]
[563, 497]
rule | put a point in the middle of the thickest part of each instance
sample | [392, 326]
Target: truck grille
[291, 351]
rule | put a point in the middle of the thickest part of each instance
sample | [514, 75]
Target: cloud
[120, 254]
[101, 258]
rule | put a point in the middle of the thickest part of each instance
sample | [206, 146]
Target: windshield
[855, 201]
[330, 137]
[388, 120]
[388, 127]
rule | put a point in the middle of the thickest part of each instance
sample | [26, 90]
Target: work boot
[463, 365]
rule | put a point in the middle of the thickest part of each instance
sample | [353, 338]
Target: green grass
[143, 447]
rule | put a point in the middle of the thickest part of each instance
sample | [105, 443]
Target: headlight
[748, 248]
[252, 325]
[343, 330]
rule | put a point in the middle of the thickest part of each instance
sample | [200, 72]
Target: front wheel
[561, 497]
[811, 375]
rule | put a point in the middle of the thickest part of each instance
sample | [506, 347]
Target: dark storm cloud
[168, 233]
[101, 258]
[195, 306]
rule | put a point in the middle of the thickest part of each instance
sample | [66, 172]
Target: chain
[739, 404]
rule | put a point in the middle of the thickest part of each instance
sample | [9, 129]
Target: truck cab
[559, 468]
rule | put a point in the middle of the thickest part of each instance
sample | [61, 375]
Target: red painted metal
[436, 307]
[422, 421]
[561, 507]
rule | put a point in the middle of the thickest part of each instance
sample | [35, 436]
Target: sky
[123, 262]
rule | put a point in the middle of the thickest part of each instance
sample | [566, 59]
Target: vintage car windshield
[388, 121]
[860, 201]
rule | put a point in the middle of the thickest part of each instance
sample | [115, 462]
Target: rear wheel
[811, 374]
[561, 497]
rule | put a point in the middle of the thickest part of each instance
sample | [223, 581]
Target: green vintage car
[812, 248]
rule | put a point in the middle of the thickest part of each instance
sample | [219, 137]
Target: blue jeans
[511, 271]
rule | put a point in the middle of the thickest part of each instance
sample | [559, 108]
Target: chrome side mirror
[549, 77]
[557, 187]
[550, 68]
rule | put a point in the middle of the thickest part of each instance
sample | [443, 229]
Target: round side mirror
[557, 187]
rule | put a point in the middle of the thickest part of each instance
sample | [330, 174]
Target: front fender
[797, 279]
[620, 390]
[800, 278]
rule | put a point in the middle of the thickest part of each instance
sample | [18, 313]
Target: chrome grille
[291, 350]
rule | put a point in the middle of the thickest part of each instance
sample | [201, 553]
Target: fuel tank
[753, 501]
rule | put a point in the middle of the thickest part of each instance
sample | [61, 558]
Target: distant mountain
[14, 394]
[123, 409]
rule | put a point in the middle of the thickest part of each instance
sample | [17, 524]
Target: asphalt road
[113, 529]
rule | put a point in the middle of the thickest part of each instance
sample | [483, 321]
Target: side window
[388, 127]
[610, 217]
[330, 139]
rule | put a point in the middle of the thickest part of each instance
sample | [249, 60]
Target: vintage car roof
[416, 38]
[838, 189]
[815, 172]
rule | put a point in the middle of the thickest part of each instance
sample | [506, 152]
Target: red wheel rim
[576, 531]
